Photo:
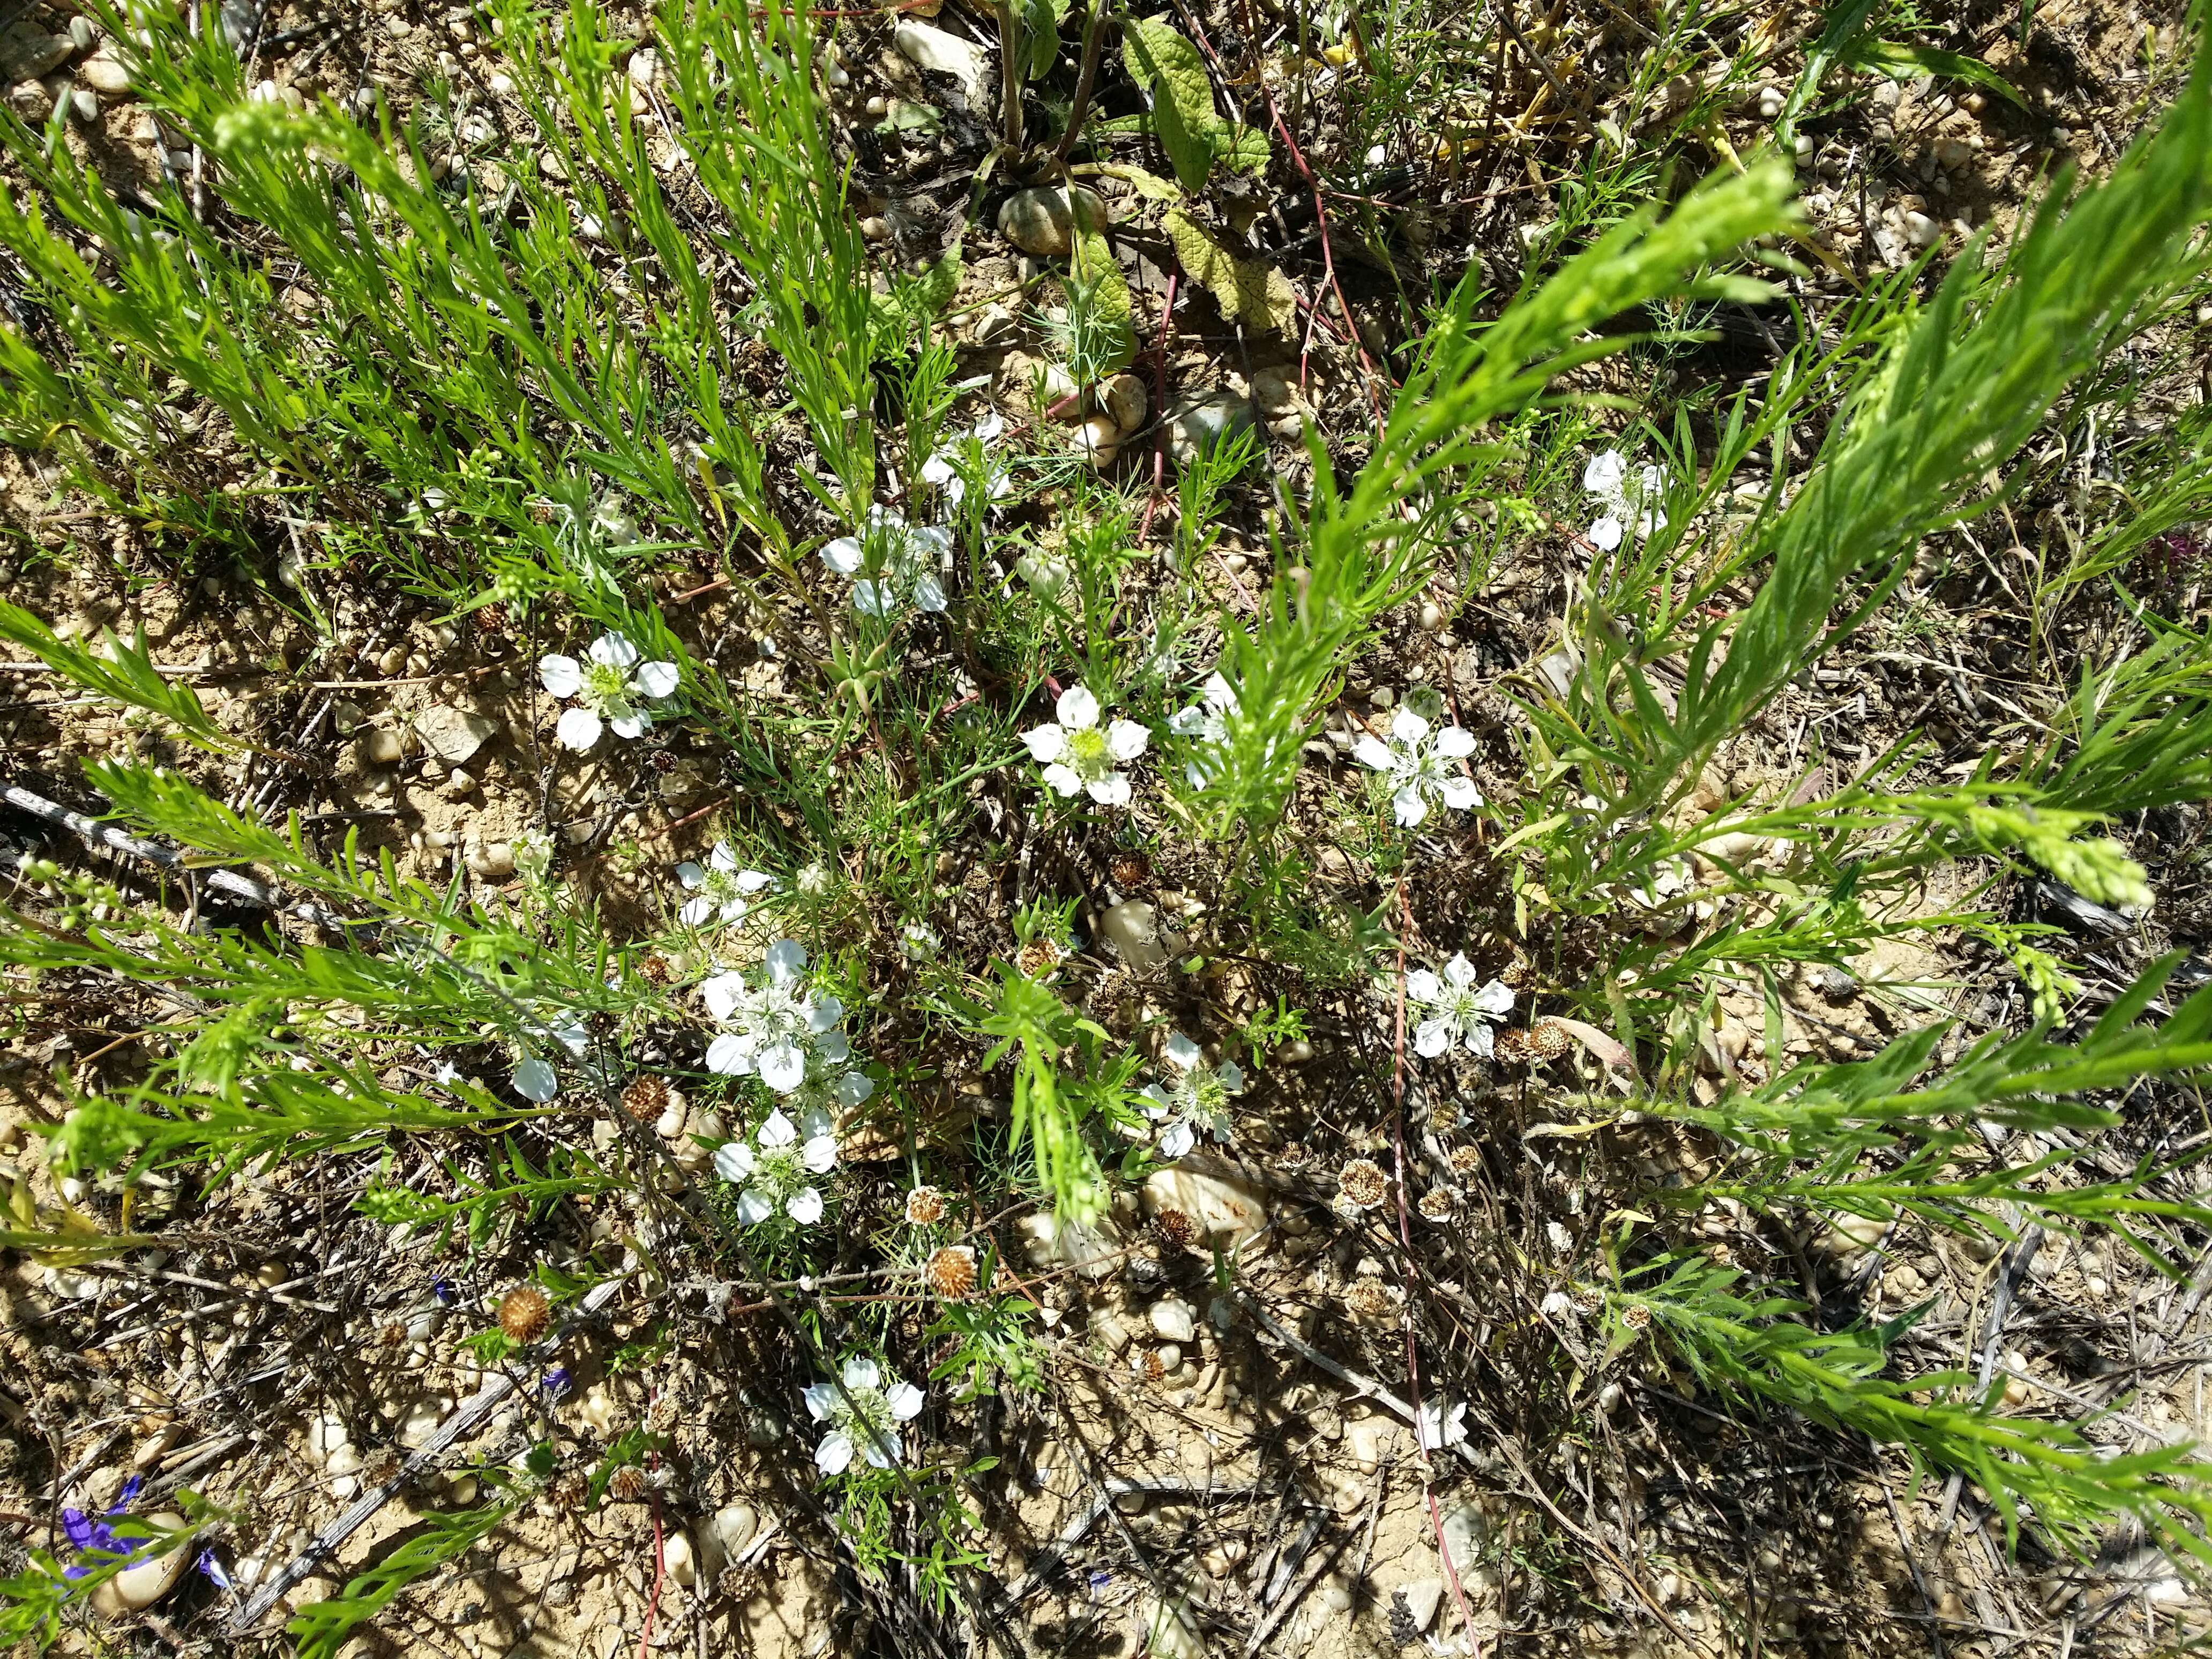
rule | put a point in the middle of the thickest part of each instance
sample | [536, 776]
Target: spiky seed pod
[1130, 869]
[525, 1315]
[1362, 1183]
[1155, 1368]
[393, 1334]
[1511, 1047]
[1437, 1204]
[660, 1416]
[569, 1491]
[647, 1097]
[655, 971]
[1039, 958]
[1549, 1040]
[924, 1208]
[1294, 1157]
[1465, 1160]
[1175, 1228]
[628, 1485]
[950, 1271]
[492, 620]
[1636, 1315]
[737, 1584]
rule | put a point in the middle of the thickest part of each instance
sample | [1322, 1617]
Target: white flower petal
[1371, 751]
[874, 599]
[1062, 780]
[835, 1453]
[1479, 1039]
[785, 962]
[831, 1047]
[1495, 998]
[1047, 743]
[1219, 693]
[1459, 971]
[1460, 794]
[1076, 708]
[843, 555]
[561, 677]
[1181, 1050]
[657, 680]
[782, 1067]
[929, 593]
[1605, 471]
[805, 1206]
[1409, 807]
[689, 873]
[1604, 533]
[1432, 1037]
[612, 651]
[753, 1207]
[1455, 742]
[722, 858]
[632, 725]
[1421, 986]
[1112, 790]
[1177, 1139]
[695, 911]
[905, 1400]
[1230, 1076]
[823, 1011]
[729, 1055]
[1188, 722]
[752, 881]
[1125, 740]
[937, 469]
[578, 729]
[734, 1161]
[874, 1452]
[852, 1088]
[777, 1130]
[1407, 727]
[861, 1375]
[720, 993]
[536, 1080]
[820, 1154]
[821, 1400]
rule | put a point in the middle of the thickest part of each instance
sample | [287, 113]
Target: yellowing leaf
[1149, 184]
[1169, 67]
[1250, 289]
[1092, 268]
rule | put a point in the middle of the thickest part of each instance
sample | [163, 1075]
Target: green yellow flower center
[1088, 756]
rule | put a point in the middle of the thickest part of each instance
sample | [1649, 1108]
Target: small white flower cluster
[907, 563]
[719, 888]
[942, 470]
[771, 1171]
[1625, 501]
[863, 1417]
[610, 687]
[775, 1024]
[1194, 1099]
[1079, 757]
[1460, 1011]
[1421, 769]
[1207, 721]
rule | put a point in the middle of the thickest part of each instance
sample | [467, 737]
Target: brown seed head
[1549, 1040]
[647, 1097]
[1155, 1368]
[737, 1584]
[393, 1334]
[1294, 1157]
[524, 1314]
[1368, 1298]
[1175, 1228]
[925, 1206]
[492, 619]
[569, 1491]
[1130, 869]
[950, 1271]
[1039, 958]
[661, 1415]
[1362, 1183]
[628, 1485]
[1437, 1204]
[655, 971]
[1466, 1160]
[1636, 1315]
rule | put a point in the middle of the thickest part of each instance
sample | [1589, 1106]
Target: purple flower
[555, 1382]
[442, 1288]
[212, 1569]
[93, 1533]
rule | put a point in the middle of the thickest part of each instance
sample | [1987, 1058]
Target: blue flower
[93, 1533]
[555, 1382]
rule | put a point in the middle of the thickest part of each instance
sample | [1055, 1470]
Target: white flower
[1196, 1097]
[906, 564]
[1460, 1011]
[864, 1415]
[941, 470]
[1420, 770]
[771, 1172]
[533, 854]
[773, 1026]
[1623, 500]
[829, 1088]
[918, 942]
[719, 889]
[534, 1078]
[607, 691]
[1439, 1428]
[1207, 720]
[1076, 755]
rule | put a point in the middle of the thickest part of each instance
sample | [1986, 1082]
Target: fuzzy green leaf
[1168, 66]
[1251, 290]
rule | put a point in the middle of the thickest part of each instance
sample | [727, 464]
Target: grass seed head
[525, 1315]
